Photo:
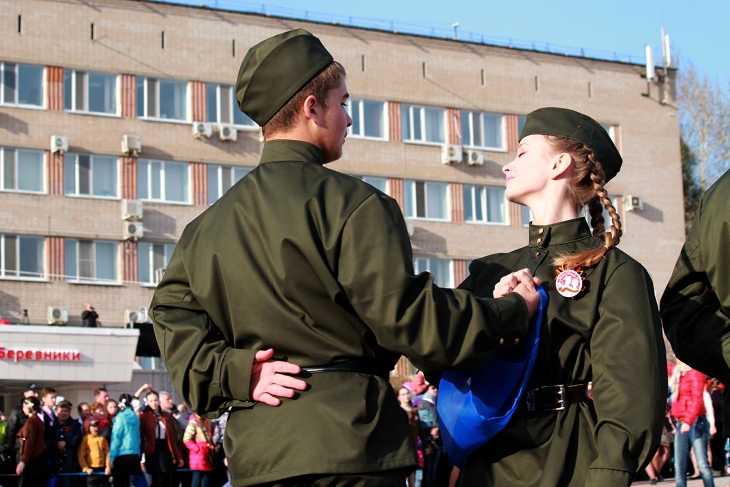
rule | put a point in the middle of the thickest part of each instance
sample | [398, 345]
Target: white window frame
[410, 187]
[360, 103]
[84, 75]
[3, 161]
[3, 67]
[168, 249]
[219, 170]
[163, 191]
[484, 205]
[145, 101]
[468, 125]
[76, 193]
[3, 251]
[76, 278]
[232, 108]
[425, 264]
[421, 109]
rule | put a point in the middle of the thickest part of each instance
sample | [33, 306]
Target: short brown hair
[319, 87]
[47, 390]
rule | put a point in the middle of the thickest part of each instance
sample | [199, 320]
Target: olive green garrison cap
[275, 69]
[570, 124]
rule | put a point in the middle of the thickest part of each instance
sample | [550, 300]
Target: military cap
[274, 70]
[570, 124]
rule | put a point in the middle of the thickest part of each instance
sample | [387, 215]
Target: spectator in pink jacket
[197, 438]
[688, 408]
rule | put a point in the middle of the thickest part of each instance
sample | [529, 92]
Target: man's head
[31, 391]
[84, 410]
[101, 395]
[48, 397]
[291, 86]
[166, 401]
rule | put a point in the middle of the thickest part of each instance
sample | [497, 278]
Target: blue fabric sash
[474, 406]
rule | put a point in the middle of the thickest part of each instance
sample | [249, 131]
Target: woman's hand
[19, 469]
[509, 282]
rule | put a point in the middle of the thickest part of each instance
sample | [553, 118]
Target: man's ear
[312, 109]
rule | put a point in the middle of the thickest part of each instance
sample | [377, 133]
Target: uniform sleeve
[629, 377]
[435, 328]
[81, 454]
[696, 303]
[210, 375]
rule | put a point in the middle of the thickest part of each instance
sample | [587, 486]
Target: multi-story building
[106, 103]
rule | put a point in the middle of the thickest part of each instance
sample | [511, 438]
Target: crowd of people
[140, 440]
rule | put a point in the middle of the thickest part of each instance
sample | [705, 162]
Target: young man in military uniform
[695, 307]
[317, 265]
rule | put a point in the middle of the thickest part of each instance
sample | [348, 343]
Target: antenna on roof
[666, 54]
[455, 25]
[650, 72]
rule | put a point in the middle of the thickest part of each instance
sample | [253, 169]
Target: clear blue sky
[698, 29]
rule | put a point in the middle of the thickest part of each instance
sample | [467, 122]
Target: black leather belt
[360, 366]
[555, 398]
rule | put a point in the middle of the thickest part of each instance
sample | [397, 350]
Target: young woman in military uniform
[601, 324]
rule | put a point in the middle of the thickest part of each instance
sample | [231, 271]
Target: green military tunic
[609, 334]
[317, 265]
[696, 303]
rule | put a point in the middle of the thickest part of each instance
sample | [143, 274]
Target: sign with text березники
[40, 354]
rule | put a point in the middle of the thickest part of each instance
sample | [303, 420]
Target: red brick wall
[129, 95]
[395, 186]
[394, 128]
[200, 183]
[200, 112]
[129, 257]
[457, 202]
[129, 177]
[55, 172]
[511, 127]
[54, 81]
[55, 267]
[453, 126]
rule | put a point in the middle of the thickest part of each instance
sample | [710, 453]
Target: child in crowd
[94, 457]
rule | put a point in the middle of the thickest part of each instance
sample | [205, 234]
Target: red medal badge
[569, 282]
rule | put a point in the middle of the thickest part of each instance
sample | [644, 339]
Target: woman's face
[528, 174]
[153, 401]
[112, 408]
[404, 397]
[98, 412]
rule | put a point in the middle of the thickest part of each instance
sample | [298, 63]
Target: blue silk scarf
[474, 406]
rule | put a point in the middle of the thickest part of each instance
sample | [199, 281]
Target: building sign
[40, 354]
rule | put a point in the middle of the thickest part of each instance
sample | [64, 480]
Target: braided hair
[586, 187]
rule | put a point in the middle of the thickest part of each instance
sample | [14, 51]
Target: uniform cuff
[516, 321]
[235, 374]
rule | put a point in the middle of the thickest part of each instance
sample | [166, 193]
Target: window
[368, 118]
[162, 98]
[611, 129]
[223, 108]
[484, 204]
[90, 260]
[440, 268]
[85, 175]
[426, 199]
[89, 92]
[21, 256]
[479, 129]
[153, 259]
[378, 183]
[221, 178]
[521, 119]
[163, 181]
[525, 216]
[607, 220]
[423, 124]
[22, 84]
[22, 170]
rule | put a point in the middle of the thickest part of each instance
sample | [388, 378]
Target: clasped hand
[523, 283]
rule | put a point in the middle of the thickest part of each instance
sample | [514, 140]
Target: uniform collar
[559, 233]
[285, 150]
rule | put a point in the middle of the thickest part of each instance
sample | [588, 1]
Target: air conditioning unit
[132, 210]
[59, 143]
[131, 144]
[633, 203]
[159, 273]
[202, 129]
[475, 157]
[451, 153]
[133, 230]
[57, 316]
[227, 132]
[140, 315]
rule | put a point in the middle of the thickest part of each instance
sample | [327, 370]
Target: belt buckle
[530, 398]
[561, 403]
